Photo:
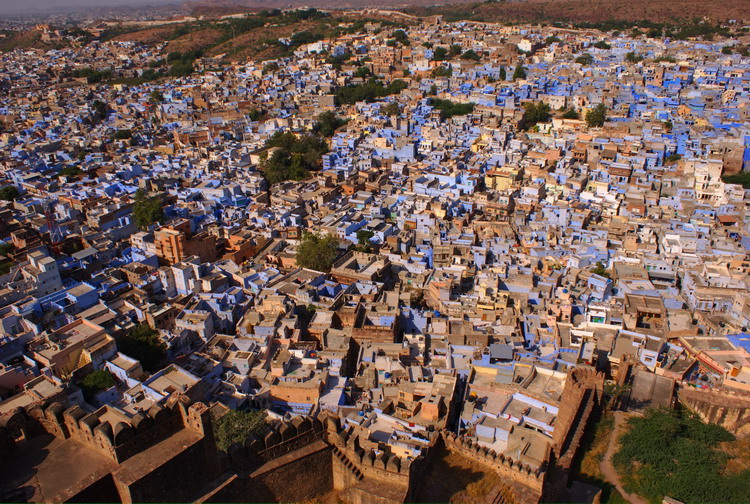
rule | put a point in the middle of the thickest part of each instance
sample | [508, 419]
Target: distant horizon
[32, 7]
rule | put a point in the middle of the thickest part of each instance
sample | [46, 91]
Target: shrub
[235, 426]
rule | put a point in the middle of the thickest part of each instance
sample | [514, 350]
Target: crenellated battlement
[279, 439]
[119, 441]
[516, 470]
[368, 461]
[322, 448]
[287, 436]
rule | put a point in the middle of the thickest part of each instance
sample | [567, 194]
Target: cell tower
[56, 237]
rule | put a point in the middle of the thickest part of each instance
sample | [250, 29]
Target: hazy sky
[34, 6]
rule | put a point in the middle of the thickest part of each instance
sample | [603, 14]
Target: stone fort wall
[119, 443]
[294, 460]
[727, 408]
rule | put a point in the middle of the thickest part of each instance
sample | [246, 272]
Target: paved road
[608, 470]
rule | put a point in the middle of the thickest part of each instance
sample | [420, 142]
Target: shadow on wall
[450, 477]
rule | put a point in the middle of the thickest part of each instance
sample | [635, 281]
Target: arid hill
[590, 11]
[594, 11]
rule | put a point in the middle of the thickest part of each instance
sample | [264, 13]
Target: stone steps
[351, 466]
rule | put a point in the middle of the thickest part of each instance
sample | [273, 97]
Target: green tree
[156, 97]
[236, 425]
[597, 116]
[369, 91]
[327, 124]
[5, 248]
[614, 393]
[363, 239]
[503, 74]
[255, 114]
[147, 209]
[519, 72]
[401, 37]
[363, 72]
[143, 343]
[742, 179]
[602, 45]
[271, 67]
[101, 109]
[671, 452]
[122, 134]
[633, 57]
[181, 68]
[9, 193]
[455, 50]
[439, 54]
[571, 114]
[317, 251]
[391, 109]
[442, 71]
[600, 270]
[533, 114]
[95, 382]
[585, 59]
[295, 158]
[449, 108]
[471, 55]
[70, 171]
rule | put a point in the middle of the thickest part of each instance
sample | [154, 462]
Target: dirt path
[608, 470]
